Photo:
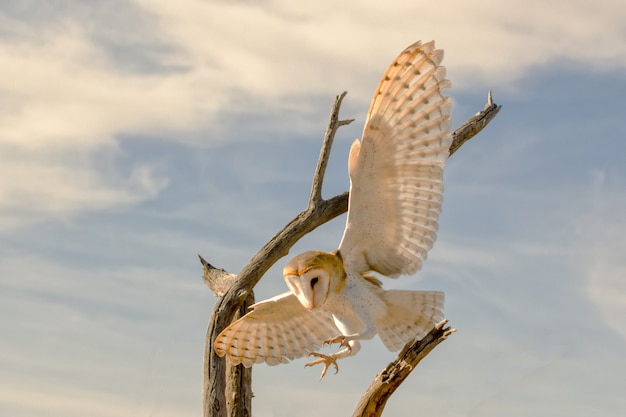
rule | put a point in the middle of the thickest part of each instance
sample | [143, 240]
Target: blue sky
[136, 134]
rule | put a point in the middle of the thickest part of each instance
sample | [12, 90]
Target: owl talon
[327, 360]
[342, 340]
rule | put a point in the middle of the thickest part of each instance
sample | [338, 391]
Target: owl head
[312, 275]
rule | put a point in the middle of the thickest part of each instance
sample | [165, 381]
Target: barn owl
[395, 199]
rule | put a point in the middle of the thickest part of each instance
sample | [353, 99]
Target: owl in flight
[395, 199]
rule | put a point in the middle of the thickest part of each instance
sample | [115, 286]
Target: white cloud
[63, 91]
[276, 47]
[38, 184]
[516, 293]
[63, 107]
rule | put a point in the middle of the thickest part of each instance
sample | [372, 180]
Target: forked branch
[239, 288]
[333, 124]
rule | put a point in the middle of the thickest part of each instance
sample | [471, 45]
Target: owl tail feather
[410, 315]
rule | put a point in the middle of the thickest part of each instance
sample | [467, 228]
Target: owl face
[311, 275]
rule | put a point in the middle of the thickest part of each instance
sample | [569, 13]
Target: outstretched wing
[276, 331]
[396, 171]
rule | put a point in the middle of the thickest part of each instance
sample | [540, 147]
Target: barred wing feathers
[277, 330]
[396, 170]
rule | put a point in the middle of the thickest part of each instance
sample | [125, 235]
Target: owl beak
[294, 284]
[307, 301]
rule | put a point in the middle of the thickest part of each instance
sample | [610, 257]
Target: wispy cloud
[78, 77]
[77, 336]
[601, 233]
[136, 134]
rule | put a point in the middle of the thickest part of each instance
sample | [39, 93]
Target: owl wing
[277, 330]
[396, 171]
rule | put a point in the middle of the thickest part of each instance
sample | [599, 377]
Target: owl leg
[345, 341]
[351, 348]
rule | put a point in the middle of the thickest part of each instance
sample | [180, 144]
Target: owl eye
[314, 281]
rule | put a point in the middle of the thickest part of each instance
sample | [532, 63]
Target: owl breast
[359, 302]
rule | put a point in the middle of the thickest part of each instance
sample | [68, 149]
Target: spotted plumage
[395, 199]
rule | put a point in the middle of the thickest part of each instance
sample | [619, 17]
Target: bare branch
[218, 280]
[214, 386]
[317, 213]
[239, 379]
[474, 124]
[333, 124]
[384, 385]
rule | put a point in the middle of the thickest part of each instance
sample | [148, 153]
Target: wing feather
[410, 315]
[276, 331]
[396, 170]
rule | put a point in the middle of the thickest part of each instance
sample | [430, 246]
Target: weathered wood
[385, 383]
[217, 279]
[318, 212]
[322, 161]
[474, 124]
[239, 379]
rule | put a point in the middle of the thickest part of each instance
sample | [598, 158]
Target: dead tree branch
[474, 124]
[236, 289]
[238, 396]
[384, 385]
[318, 212]
[333, 124]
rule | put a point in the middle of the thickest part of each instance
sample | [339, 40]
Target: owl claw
[342, 340]
[327, 360]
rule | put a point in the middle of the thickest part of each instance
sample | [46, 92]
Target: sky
[136, 134]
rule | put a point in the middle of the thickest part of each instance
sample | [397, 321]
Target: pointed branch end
[440, 325]
[493, 107]
[318, 177]
[344, 122]
[205, 263]
[338, 100]
[446, 331]
[217, 279]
